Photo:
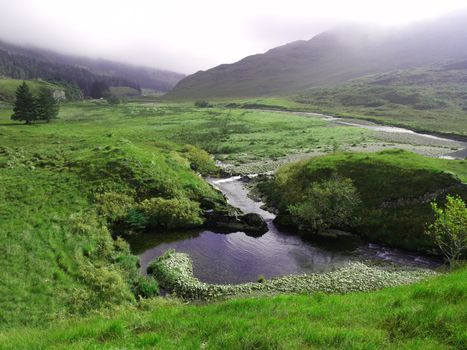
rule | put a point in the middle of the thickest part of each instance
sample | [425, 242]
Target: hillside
[430, 99]
[31, 63]
[330, 58]
[395, 188]
[8, 88]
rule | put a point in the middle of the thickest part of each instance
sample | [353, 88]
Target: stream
[236, 257]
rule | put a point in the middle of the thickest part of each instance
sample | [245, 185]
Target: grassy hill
[395, 188]
[330, 58]
[430, 99]
[8, 87]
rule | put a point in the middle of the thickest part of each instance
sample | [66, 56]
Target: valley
[312, 196]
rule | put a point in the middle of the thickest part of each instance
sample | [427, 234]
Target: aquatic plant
[174, 272]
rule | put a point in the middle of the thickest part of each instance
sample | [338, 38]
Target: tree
[449, 229]
[326, 204]
[24, 108]
[46, 106]
[100, 89]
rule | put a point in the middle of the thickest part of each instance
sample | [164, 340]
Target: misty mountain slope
[330, 58]
[30, 63]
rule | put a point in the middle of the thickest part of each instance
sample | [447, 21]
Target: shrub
[449, 229]
[200, 160]
[136, 220]
[171, 213]
[114, 206]
[202, 104]
[145, 287]
[326, 203]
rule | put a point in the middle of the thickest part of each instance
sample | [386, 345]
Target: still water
[236, 257]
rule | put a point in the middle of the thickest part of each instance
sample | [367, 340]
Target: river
[236, 257]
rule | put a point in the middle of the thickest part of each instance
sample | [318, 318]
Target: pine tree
[46, 105]
[24, 108]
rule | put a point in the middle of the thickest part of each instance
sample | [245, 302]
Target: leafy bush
[114, 206]
[136, 220]
[171, 213]
[202, 104]
[200, 160]
[145, 287]
[325, 204]
[449, 229]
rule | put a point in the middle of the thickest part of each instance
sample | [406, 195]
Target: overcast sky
[187, 36]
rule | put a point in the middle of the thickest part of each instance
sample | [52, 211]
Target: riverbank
[174, 272]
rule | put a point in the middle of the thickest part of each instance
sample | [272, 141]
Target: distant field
[430, 99]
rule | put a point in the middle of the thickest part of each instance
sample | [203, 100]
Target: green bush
[200, 160]
[202, 104]
[114, 206]
[325, 204]
[171, 213]
[145, 287]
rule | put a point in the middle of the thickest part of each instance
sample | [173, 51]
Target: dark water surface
[236, 257]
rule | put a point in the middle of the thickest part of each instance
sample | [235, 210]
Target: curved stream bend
[237, 258]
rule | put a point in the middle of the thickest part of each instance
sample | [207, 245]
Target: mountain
[330, 58]
[31, 63]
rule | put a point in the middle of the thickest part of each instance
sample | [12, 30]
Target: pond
[236, 257]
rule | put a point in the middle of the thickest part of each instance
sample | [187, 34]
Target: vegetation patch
[394, 188]
[174, 272]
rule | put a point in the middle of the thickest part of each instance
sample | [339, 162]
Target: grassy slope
[56, 255]
[8, 87]
[430, 99]
[381, 177]
[429, 315]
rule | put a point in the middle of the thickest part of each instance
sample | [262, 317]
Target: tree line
[23, 67]
[28, 108]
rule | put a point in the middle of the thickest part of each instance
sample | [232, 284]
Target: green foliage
[146, 287]
[449, 229]
[47, 107]
[325, 204]
[171, 213]
[113, 100]
[405, 317]
[202, 104]
[395, 188]
[200, 160]
[114, 206]
[25, 107]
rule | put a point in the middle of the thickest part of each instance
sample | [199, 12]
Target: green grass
[425, 99]
[428, 315]
[8, 87]
[380, 178]
[60, 264]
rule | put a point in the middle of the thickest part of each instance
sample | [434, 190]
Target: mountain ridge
[330, 58]
[129, 74]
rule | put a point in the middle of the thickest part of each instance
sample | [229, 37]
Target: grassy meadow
[430, 99]
[69, 282]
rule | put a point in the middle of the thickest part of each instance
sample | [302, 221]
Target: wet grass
[428, 315]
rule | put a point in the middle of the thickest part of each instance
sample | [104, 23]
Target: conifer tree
[46, 105]
[24, 108]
